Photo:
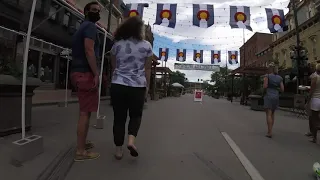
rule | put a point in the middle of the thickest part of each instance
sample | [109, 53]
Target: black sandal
[269, 136]
[133, 151]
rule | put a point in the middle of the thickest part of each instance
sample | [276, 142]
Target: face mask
[94, 16]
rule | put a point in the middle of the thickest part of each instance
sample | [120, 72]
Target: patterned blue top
[131, 56]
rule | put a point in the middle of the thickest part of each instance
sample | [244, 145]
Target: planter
[156, 96]
[256, 102]
[10, 104]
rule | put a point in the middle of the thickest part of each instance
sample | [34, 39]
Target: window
[310, 10]
[47, 68]
[52, 12]
[291, 24]
[313, 40]
[66, 19]
[78, 23]
[103, 2]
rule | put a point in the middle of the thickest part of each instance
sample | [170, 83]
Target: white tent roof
[177, 85]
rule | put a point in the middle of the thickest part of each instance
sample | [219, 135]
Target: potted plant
[10, 98]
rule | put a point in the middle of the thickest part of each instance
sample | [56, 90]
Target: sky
[220, 36]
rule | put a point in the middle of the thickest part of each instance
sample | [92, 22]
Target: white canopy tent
[177, 85]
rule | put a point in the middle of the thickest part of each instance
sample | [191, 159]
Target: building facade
[309, 28]
[248, 52]
[54, 24]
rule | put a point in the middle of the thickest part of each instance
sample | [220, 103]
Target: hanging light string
[216, 5]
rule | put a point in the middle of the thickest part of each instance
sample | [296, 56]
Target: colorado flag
[240, 17]
[166, 15]
[203, 15]
[215, 57]
[233, 57]
[135, 9]
[276, 20]
[163, 54]
[198, 56]
[181, 55]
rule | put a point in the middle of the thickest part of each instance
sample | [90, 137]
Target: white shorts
[315, 104]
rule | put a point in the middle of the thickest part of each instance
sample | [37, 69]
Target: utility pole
[109, 15]
[298, 47]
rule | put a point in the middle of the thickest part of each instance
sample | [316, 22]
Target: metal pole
[67, 78]
[295, 15]
[101, 72]
[24, 76]
[109, 15]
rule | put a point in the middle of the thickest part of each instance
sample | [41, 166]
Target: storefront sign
[202, 67]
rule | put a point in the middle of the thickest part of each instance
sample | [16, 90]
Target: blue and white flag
[198, 56]
[163, 54]
[240, 17]
[203, 15]
[276, 20]
[233, 57]
[215, 57]
[181, 55]
[135, 9]
[166, 15]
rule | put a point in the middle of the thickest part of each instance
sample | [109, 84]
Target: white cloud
[219, 37]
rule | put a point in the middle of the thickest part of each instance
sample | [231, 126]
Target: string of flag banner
[198, 56]
[203, 16]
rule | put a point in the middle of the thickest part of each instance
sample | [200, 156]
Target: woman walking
[131, 64]
[315, 103]
[273, 83]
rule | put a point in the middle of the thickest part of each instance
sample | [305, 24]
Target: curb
[62, 102]
[60, 166]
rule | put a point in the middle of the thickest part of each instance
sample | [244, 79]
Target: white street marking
[252, 171]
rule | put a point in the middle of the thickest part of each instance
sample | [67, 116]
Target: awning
[177, 85]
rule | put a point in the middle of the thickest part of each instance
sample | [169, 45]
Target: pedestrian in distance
[314, 99]
[272, 84]
[131, 62]
[85, 76]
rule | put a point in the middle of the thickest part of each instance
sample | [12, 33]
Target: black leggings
[126, 98]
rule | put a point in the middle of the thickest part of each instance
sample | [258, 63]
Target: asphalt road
[182, 139]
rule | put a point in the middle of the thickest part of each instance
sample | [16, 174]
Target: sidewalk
[57, 126]
[55, 97]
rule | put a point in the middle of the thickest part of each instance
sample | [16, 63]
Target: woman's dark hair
[131, 28]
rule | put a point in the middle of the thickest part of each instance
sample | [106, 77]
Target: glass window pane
[47, 68]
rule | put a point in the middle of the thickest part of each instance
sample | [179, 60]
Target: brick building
[250, 49]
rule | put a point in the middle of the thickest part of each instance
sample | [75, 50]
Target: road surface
[212, 140]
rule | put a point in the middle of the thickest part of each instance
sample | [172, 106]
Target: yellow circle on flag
[276, 19]
[233, 56]
[163, 53]
[198, 55]
[180, 54]
[133, 14]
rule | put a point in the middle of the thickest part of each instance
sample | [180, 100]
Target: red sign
[198, 95]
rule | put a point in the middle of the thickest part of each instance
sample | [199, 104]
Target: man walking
[85, 76]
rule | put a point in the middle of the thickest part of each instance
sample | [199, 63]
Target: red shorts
[87, 95]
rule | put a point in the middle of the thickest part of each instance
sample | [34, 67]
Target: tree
[177, 77]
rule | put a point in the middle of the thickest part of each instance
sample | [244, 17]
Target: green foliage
[224, 84]
[178, 77]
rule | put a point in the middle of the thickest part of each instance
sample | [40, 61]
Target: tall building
[309, 27]
[54, 24]
[250, 49]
